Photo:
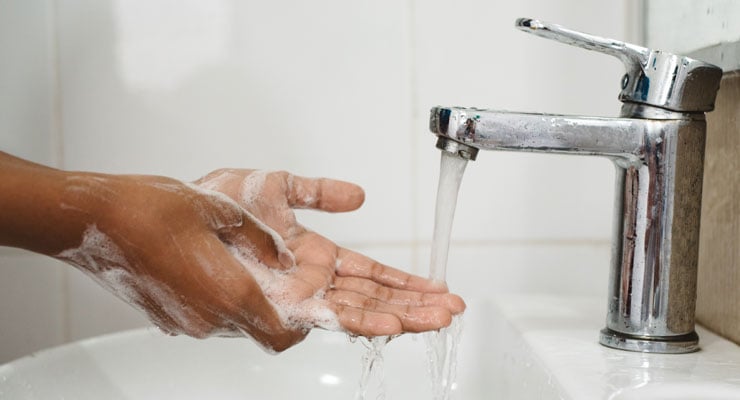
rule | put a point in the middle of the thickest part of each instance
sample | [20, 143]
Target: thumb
[259, 241]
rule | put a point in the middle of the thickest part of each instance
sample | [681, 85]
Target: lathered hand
[213, 259]
[369, 298]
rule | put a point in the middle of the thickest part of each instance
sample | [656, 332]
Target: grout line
[634, 21]
[57, 137]
[413, 158]
[57, 143]
[478, 243]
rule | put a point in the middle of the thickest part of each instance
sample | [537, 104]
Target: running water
[451, 172]
[372, 367]
[442, 357]
[442, 345]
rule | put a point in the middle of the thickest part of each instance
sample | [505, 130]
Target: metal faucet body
[658, 153]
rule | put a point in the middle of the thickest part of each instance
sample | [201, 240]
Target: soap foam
[307, 201]
[296, 314]
[216, 180]
[229, 213]
[285, 256]
[99, 257]
[103, 261]
[250, 190]
[251, 187]
[97, 252]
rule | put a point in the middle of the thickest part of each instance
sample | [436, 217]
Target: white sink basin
[519, 347]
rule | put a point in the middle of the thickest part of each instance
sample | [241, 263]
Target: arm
[211, 259]
[32, 204]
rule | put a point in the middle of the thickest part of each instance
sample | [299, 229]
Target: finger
[450, 301]
[323, 194]
[358, 265]
[413, 319]
[227, 291]
[366, 323]
[253, 238]
[221, 179]
[310, 248]
[219, 210]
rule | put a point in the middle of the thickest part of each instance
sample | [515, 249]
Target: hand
[369, 298]
[199, 263]
[159, 245]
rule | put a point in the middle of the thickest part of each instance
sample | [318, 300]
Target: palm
[368, 298]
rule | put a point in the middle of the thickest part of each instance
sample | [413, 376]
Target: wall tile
[709, 22]
[480, 270]
[31, 295]
[481, 60]
[31, 303]
[183, 88]
[26, 79]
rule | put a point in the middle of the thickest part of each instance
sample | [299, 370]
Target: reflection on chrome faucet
[657, 146]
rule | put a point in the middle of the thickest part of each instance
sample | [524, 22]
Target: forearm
[38, 212]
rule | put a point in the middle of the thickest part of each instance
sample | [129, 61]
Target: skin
[175, 250]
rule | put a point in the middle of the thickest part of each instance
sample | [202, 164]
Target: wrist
[45, 210]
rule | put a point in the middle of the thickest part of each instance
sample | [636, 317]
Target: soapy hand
[367, 297]
[226, 257]
[204, 260]
[222, 257]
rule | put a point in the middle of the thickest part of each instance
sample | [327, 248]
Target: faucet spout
[620, 138]
[659, 165]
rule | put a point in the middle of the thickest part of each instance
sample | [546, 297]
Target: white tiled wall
[715, 19]
[322, 88]
[32, 294]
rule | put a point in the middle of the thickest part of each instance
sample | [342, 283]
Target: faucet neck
[644, 111]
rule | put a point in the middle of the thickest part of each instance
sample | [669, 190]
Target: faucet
[657, 147]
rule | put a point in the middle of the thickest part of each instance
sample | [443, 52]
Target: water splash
[372, 368]
[442, 355]
[441, 345]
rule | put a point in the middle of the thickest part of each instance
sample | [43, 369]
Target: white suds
[96, 252]
[217, 180]
[229, 212]
[285, 256]
[252, 187]
[100, 258]
[298, 314]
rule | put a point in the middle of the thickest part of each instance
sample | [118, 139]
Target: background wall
[322, 88]
[687, 26]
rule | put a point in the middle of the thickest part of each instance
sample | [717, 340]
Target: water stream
[451, 172]
[373, 376]
[441, 345]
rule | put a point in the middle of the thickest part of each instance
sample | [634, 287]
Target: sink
[513, 347]
[146, 364]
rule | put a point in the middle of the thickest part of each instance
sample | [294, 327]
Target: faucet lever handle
[631, 55]
[653, 77]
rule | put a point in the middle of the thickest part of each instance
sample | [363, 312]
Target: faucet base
[662, 344]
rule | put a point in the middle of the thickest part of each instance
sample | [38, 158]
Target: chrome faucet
[657, 146]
